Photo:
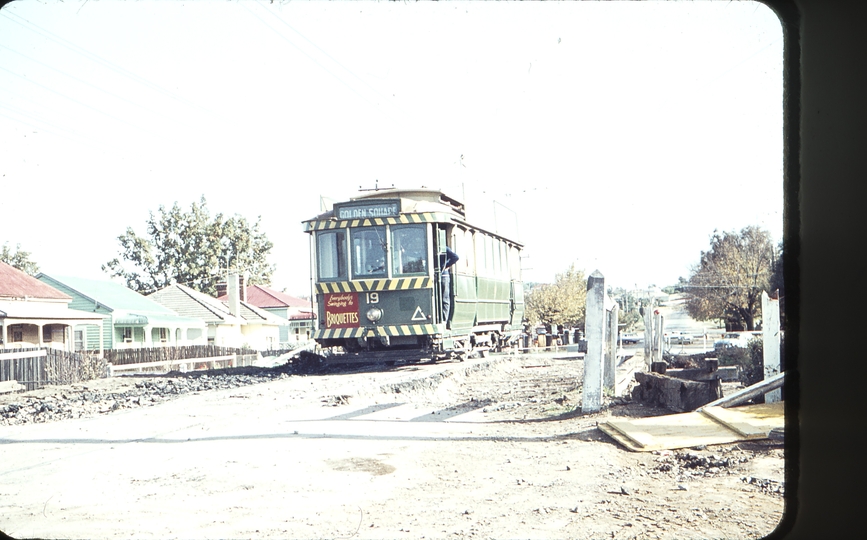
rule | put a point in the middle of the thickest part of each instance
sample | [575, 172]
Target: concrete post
[648, 335]
[609, 376]
[594, 333]
[771, 342]
[658, 337]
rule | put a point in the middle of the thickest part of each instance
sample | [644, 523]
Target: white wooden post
[648, 334]
[771, 342]
[594, 333]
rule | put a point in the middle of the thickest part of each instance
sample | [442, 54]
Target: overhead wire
[325, 53]
[123, 73]
[109, 115]
[80, 136]
[91, 85]
[314, 60]
[24, 23]
[56, 130]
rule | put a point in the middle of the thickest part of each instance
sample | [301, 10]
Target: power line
[103, 62]
[111, 116]
[337, 77]
[352, 73]
[79, 139]
[116, 96]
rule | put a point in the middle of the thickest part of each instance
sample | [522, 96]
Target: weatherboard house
[296, 314]
[230, 324]
[131, 320]
[34, 314]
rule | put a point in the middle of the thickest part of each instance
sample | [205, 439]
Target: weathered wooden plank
[671, 431]
[22, 354]
[628, 430]
[11, 386]
[755, 424]
[685, 430]
[726, 373]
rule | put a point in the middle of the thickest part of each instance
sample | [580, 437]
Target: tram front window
[409, 250]
[368, 252]
[331, 250]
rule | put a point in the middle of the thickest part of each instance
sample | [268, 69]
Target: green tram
[377, 263]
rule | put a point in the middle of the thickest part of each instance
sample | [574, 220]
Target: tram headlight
[374, 314]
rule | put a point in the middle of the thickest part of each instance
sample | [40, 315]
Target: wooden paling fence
[142, 355]
[30, 369]
[35, 368]
[186, 358]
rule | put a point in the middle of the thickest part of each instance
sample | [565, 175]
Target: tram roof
[412, 201]
[421, 201]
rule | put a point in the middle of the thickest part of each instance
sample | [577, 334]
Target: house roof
[301, 315]
[44, 311]
[192, 303]
[265, 297]
[111, 295]
[16, 284]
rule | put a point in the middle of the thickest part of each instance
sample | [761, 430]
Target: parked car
[630, 337]
[679, 337]
[734, 339]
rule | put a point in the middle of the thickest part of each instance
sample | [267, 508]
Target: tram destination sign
[368, 209]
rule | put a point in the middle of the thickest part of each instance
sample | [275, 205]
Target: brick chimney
[222, 287]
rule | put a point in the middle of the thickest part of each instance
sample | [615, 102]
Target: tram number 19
[372, 297]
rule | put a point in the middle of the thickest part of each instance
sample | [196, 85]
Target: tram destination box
[368, 209]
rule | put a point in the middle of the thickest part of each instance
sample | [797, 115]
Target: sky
[615, 136]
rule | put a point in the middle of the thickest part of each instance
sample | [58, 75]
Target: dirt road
[489, 449]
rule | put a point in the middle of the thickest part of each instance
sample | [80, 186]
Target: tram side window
[368, 252]
[481, 257]
[408, 250]
[515, 263]
[491, 255]
[331, 251]
[463, 240]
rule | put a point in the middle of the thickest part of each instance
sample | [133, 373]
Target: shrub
[749, 360]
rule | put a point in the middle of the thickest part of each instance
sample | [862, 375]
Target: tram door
[443, 289]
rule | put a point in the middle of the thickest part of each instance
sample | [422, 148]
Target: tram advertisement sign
[368, 209]
[341, 310]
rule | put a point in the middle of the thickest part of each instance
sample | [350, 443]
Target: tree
[193, 249]
[560, 303]
[628, 317]
[19, 259]
[778, 284]
[728, 281]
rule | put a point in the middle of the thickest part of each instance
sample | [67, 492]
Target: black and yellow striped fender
[403, 219]
[379, 331]
[369, 285]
